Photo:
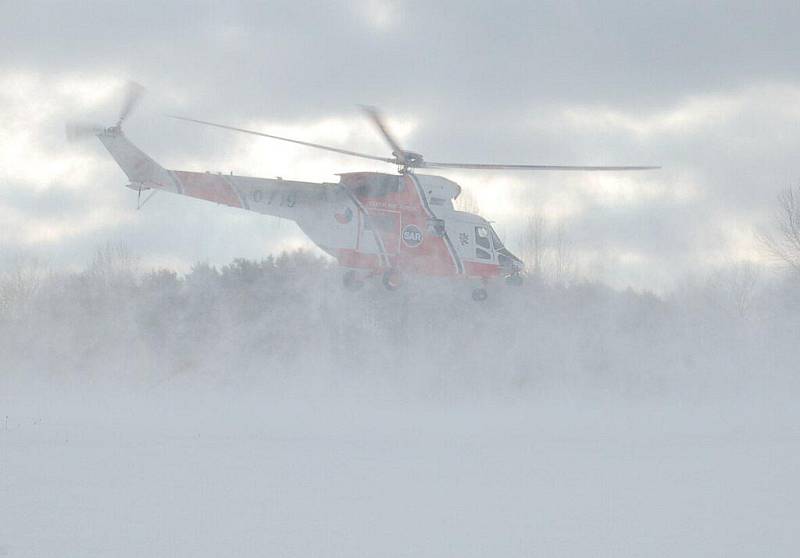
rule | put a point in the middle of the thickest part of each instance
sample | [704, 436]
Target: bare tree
[533, 243]
[19, 286]
[113, 263]
[547, 250]
[783, 244]
[735, 287]
[743, 287]
[563, 268]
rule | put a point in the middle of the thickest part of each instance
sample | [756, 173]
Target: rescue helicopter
[375, 225]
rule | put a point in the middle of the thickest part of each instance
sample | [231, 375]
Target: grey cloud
[316, 56]
[484, 81]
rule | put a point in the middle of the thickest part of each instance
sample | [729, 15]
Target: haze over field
[262, 408]
[287, 321]
[193, 379]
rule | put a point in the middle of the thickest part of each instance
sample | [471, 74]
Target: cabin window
[482, 238]
[378, 186]
[482, 254]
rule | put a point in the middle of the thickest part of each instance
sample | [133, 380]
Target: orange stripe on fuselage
[430, 257]
[211, 187]
[479, 269]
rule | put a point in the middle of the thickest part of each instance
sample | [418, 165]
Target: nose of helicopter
[511, 264]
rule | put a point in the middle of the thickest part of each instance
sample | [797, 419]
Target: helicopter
[374, 224]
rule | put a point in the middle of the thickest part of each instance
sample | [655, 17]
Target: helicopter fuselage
[376, 222]
[407, 222]
[393, 224]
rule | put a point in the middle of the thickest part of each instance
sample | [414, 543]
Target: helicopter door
[386, 226]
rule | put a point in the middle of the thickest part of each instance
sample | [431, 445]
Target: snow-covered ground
[195, 473]
[260, 410]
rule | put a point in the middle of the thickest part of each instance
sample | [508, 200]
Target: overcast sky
[710, 91]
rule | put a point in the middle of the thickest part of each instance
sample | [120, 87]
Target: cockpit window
[496, 239]
[483, 246]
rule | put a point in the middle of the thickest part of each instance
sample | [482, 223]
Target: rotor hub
[409, 159]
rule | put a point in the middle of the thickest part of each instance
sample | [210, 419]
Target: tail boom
[277, 197]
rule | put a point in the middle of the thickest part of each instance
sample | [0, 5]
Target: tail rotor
[132, 97]
[77, 131]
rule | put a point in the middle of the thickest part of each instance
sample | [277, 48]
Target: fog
[286, 321]
[191, 379]
[259, 407]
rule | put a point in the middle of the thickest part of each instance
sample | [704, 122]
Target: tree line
[287, 319]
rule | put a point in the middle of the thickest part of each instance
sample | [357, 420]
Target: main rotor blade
[307, 144]
[133, 94]
[377, 119]
[481, 166]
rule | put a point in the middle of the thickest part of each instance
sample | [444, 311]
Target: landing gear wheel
[479, 294]
[514, 280]
[392, 280]
[351, 281]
